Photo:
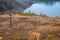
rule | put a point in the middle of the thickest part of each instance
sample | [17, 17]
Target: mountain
[14, 5]
[17, 5]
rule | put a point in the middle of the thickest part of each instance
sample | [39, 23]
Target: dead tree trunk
[10, 19]
[0, 20]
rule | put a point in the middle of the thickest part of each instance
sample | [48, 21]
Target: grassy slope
[29, 27]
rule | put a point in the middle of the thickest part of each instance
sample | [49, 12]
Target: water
[48, 8]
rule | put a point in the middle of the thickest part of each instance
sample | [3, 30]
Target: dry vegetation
[29, 27]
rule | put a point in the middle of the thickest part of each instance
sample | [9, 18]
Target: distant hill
[14, 4]
[17, 5]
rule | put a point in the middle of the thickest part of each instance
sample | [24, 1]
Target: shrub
[20, 13]
[49, 37]
[19, 37]
[26, 13]
[43, 15]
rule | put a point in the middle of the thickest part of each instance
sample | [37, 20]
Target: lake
[48, 8]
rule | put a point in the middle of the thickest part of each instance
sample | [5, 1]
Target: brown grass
[29, 27]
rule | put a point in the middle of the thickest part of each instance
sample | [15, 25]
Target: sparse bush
[49, 37]
[43, 15]
[20, 37]
[20, 13]
[30, 14]
[26, 14]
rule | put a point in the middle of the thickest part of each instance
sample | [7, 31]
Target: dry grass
[29, 27]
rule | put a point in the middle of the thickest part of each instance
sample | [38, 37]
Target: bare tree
[0, 20]
[10, 19]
